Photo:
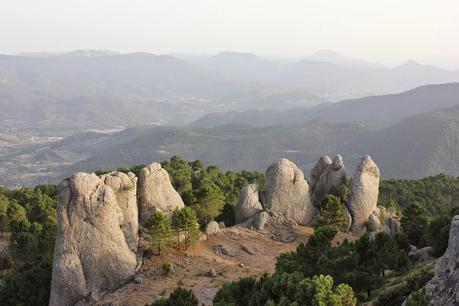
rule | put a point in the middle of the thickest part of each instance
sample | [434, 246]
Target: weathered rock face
[322, 164]
[260, 220]
[91, 254]
[391, 224]
[287, 192]
[444, 287]
[331, 179]
[364, 196]
[249, 203]
[125, 188]
[421, 255]
[373, 223]
[156, 193]
[348, 219]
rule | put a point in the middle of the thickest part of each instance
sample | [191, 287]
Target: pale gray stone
[321, 165]
[287, 192]
[260, 220]
[373, 223]
[364, 195]
[331, 179]
[220, 250]
[91, 253]
[156, 193]
[212, 228]
[125, 188]
[249, 250]
[249, 203]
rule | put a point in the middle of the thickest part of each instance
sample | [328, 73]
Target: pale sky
[387, 31]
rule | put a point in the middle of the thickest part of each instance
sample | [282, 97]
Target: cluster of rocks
[99, 217]
[97, 230]
[287, 193]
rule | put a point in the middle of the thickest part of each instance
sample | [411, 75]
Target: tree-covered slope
[418, 146]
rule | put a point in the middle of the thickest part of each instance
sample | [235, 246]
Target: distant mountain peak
[338, 59]
[236, 55]
[411, 62]
[84, 53]
[87, 53]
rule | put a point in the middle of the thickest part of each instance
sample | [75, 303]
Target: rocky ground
[251, 253]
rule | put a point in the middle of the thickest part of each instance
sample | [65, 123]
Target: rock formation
[249, 203]
[444, 287]
[92, 254]
[331, 178]
[212, 228]
[381, 219]
[287, 192]
[125, 188]
[421, 255]
[373, 223]
[156, 193]
[364, 195]
[322, 164]
[348, 219]
[260, 220]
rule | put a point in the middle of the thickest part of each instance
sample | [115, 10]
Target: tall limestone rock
[364, 195]
[249, 203]
[444, 287]
[91, 254]
[331, 179]
[322, 164]
[287, 192]
[125, 188]
[156, 193]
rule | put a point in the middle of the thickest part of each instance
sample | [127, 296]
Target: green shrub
[332, 213]
[180, 297]
[167, 269]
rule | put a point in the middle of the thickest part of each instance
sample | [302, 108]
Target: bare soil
[191, 267]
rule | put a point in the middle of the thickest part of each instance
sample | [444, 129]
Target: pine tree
[210, 201]
[185, 223]
[332, 213]
[415, 221]
[3, 214]
[159, 231]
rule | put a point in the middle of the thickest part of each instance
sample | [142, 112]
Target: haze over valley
[91, 110]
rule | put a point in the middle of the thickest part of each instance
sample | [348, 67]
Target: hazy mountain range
[89, 110]
[373, 111]
[98, 89]
[418, 145]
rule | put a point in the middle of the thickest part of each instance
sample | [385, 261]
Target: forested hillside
[28, 218]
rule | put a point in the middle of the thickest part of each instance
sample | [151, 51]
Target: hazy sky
[389, 31]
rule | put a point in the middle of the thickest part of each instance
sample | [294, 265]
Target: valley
[229, 153]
